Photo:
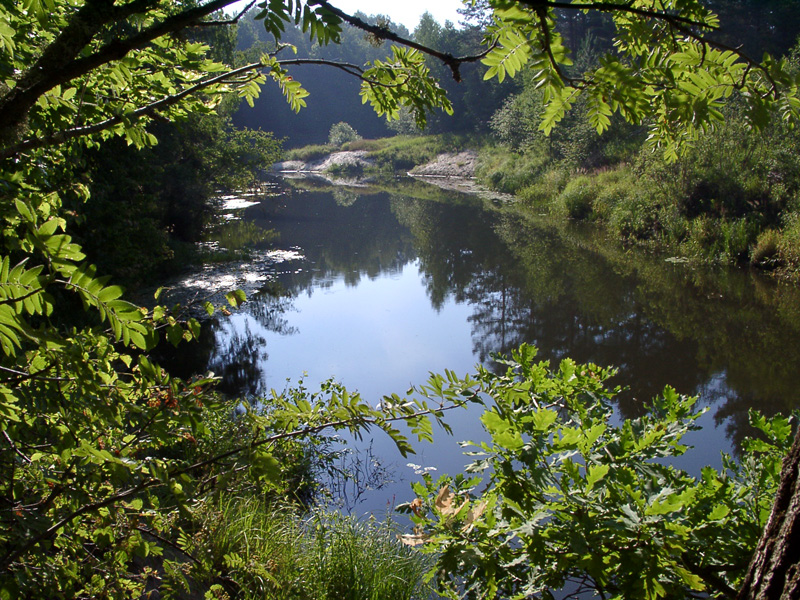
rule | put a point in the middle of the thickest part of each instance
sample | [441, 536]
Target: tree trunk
[774, 572]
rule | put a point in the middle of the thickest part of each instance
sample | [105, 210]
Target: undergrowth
[253, 548]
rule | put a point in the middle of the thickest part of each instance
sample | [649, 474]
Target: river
[378, 287]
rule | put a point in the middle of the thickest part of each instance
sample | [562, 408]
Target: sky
[405, 12]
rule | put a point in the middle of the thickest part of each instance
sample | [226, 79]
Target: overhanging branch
[61, 61]
[384, 33]
[63, 136]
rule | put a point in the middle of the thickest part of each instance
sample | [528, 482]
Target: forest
[670, 123]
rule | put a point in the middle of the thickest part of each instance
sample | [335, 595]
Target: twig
[15, 449]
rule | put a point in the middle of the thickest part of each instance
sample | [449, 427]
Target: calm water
[378, 289]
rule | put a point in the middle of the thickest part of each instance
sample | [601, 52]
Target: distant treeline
[757, 26]
[334, 96]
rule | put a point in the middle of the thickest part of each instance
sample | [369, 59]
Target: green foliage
[402, 153]
[577, 198]
[765, 251]
[146, 202]
[573, 498]
[511, 172]
[106, 457]
[109, 480]
[710, 205]
[341, 133]
[390, 155]
[790, 243]
[403, 81]
[235, 237]
[404, 124]
[658, 71]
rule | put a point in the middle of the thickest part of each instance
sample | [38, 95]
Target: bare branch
[16, 450]
[232, 21]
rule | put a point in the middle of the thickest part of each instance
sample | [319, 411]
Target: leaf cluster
[574, 500]
[666, 69]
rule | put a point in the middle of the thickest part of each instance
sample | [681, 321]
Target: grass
[253, 549]
[706, 213]
[307, 153]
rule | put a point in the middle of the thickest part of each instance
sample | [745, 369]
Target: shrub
[508, 171]
[312, 152]
[634, 217]
[575, 202]
[612, 186]
[789, 246]
[341, 133]
[546, 188]
[720, 240]
[737, 236]
[573, 500]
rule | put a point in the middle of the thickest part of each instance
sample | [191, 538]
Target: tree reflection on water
[730, 336]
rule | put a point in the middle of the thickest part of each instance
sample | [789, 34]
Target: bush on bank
[733, 198]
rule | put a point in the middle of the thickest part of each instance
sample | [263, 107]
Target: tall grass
[404, 152]
[253, 549]
[351, 559]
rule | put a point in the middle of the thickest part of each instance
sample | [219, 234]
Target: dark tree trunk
[774, 572]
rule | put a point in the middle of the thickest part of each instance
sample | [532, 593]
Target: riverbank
[695, 211]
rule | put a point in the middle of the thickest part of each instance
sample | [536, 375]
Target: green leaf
[236, 298]
[594, 474]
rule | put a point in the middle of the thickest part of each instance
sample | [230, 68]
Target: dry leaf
[413, 539]
[416, 506]
[474, 514]
[444, 500]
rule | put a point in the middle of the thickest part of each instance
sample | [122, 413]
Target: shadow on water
[393, 285]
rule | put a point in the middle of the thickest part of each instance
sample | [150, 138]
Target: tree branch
[16, 450]
[60, 63]
[611, 7]
[65, 135]
[232, 21]
[384, 33]
[681, 24]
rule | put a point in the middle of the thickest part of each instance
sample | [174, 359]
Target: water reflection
[393, 286]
